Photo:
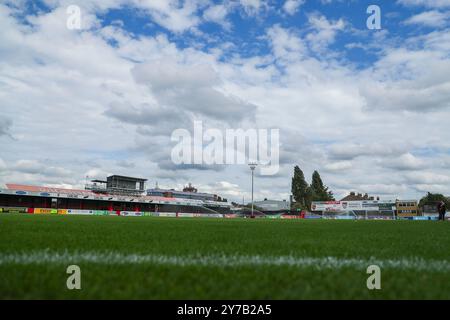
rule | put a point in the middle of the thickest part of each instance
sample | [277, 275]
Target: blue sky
[246, 31]
[364, 107]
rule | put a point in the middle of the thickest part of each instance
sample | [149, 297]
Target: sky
[367, 108]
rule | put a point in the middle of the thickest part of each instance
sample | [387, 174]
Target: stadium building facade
[273, 206]
[118, 195]
[189, 192]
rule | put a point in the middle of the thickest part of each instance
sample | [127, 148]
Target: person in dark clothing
[442, 210]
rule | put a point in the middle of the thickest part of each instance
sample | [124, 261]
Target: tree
[304, 194]
[433, 199]
[320, 192]
[300, 190]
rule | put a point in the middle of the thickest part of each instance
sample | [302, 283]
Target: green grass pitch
[168, 258]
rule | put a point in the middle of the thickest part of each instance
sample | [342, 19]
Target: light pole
[252, 166]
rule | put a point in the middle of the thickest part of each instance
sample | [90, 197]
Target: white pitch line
[117, 258]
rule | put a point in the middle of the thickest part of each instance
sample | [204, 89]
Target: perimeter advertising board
[131, 214]
[81, 212]
[363, 205]
[327, 206]
[45, 211]
[13, 210]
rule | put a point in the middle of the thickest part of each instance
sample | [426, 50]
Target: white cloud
[426, 3]
[174, 15]
[292, 6]
[2, 166]
[432, 18]
[324, 31]
[389, 191]
[285, 44]
[433, 188]
[192, 88]
[404, 82]
[338, 166]
[253, 7]
[218, 14]
[427, 177]
[353, 150]
[406, 161]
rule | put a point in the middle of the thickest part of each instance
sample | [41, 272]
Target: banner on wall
[352, 205]
[45, 211]
[13, 210]
[101, 212]
[150, 214]
[167, 214]
[364, 205]
[185, 215]
[208, 215]
[312, 216]
[327, 206]
[273, 216]
[131, 213]
[81, 212]
[345, 218]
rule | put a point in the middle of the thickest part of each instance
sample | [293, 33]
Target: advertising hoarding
[131, 214]
[45, 211]
[363, 205]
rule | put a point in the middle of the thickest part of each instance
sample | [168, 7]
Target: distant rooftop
[126, 178]
[353, 196]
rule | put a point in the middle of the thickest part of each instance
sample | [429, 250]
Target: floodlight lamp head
[253, 165]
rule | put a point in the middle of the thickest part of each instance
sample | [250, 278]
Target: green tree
[319, 191]
[434, 198]
[300, 190]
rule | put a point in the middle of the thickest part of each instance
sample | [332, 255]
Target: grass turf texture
[168, 237]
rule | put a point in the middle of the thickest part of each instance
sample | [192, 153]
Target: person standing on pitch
[442, 210]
